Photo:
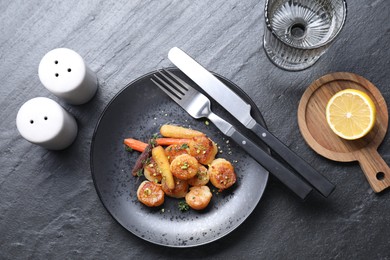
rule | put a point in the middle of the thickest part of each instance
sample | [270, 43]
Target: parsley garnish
[146, 161]
[152, 141]
[184, 146]
[183, 206]
[140, 173]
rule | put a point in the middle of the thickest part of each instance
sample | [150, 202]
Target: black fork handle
[318, 181]
[287, 177]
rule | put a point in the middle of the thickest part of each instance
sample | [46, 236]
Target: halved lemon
[351, 114]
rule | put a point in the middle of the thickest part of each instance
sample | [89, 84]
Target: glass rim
[268, 25]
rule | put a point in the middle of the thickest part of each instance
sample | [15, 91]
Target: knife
[198, 105]
[238, 108]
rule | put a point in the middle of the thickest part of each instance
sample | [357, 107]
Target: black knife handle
[288, 178]
[318, 181]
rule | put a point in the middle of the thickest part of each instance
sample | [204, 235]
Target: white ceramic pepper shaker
[44, 122]
[64, 73]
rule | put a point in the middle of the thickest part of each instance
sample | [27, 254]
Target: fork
[199, 106]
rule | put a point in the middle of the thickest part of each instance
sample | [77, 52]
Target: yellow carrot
[158, 155]
[179, 132]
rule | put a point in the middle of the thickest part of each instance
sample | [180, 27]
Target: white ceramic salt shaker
[64, 73]
[44, 122]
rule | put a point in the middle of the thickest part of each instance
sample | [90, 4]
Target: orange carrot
[165, 141]
[135, 144]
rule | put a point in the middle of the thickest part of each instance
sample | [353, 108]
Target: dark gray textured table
[49, 208]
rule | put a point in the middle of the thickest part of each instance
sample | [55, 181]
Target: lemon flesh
[351, 114]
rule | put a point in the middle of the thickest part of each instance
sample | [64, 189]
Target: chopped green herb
[184, 146]
[152, 141]
[128, 148]
[140, 173]
[146, 161]
[183, 206]
[206, 122]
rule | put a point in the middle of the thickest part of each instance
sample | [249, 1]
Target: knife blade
[198, 105]
[238, 108]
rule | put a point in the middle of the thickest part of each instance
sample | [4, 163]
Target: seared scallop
[180, 190]
[222, 174]
[184, 167]
[199, 197]
[151, 171]
[175, 150]
[150, 194]
[201, 178]
[203, 149]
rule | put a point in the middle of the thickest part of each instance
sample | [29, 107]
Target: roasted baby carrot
[140, 146]
[179, 132]
[144, 157]
[158, 155]
[135, 144]
[166, 141]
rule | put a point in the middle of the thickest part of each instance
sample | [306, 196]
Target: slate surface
[49, 208]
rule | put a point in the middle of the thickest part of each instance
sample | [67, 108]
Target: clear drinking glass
[298, 32]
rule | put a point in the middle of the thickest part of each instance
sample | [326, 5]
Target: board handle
[375, 168]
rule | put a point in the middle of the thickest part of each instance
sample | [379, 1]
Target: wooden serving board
[318, 135]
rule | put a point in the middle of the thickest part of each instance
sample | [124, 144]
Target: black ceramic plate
[138, 111]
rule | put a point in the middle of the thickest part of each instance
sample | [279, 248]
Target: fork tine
[179, 87]
[183, 84]
[166, 88]
[171, 85]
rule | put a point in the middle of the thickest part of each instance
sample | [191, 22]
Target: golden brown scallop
[150, 194]
[222, 174]
[175, 150]
[203, 149]
[201, 178]
[184, 167]
[199, 197]
[180, 190]
[151, 171]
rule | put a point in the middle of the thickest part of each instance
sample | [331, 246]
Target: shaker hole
[380, 176]
[31, 121]
[56, 62]
[45, 118]
[69, 70]
[56, 75]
